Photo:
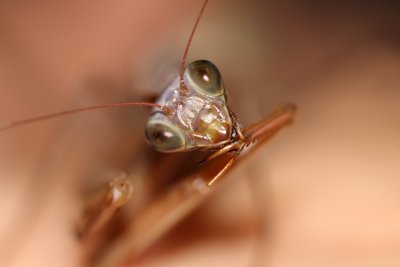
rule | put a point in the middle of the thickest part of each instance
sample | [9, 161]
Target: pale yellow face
[199, 119]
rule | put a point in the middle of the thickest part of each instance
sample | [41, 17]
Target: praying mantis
[191, 114]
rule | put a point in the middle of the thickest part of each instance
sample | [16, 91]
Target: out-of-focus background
[325, 191]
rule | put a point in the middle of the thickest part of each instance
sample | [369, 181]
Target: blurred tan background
[327, 189]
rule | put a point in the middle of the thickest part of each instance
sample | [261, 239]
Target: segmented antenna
[183, 88]
[13, 124]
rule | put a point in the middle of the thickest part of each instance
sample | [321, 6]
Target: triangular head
[197, 119]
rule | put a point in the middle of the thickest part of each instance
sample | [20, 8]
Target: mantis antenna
[12, 124]
[183, 88]
[183, 91]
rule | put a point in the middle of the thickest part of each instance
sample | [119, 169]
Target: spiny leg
[100, 212]
[261, 131]
[271, 124]
[225, 149]
[105, 203]
[227, 165]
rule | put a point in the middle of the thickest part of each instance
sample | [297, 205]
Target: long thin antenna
[183, 89]
[13, 124]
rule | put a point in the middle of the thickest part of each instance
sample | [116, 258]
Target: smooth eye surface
[204, 76]
[164, 137]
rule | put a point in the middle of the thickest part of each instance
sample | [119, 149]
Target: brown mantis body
[184, 196]
[226, 138]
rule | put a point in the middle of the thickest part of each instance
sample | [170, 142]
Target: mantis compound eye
[204, 76]
[164, 137]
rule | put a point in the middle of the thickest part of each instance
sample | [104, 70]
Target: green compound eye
[204, 76]
[164, 137]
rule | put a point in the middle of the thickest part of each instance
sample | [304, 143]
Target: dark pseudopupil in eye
[206, 76]
[163, 138]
